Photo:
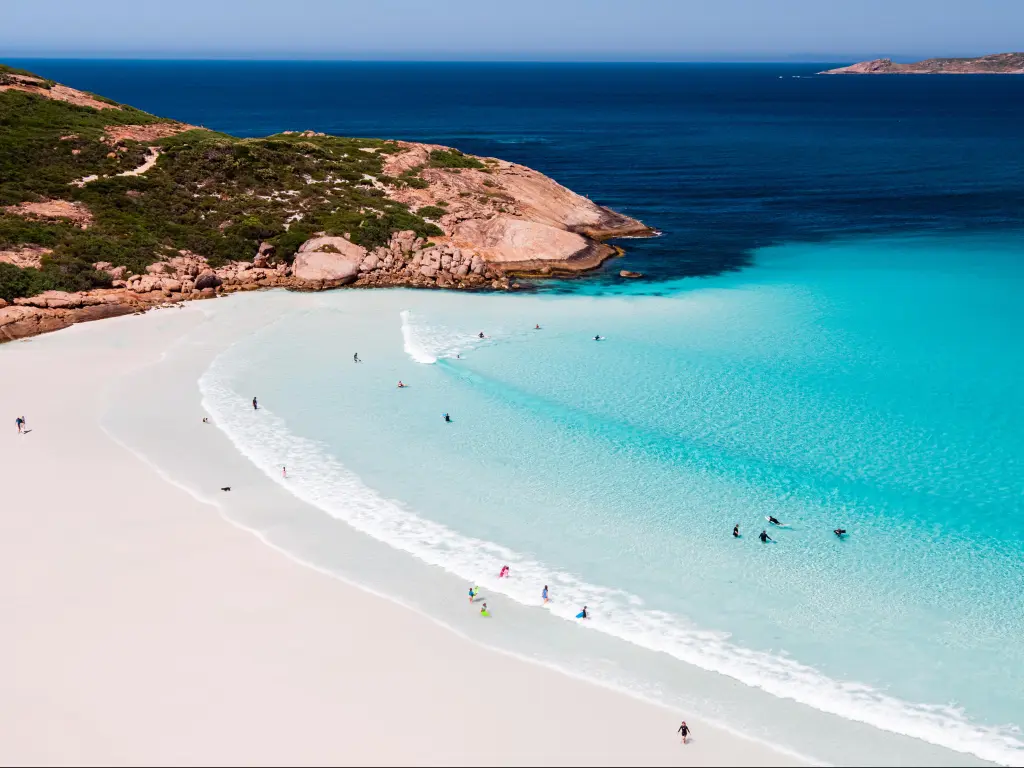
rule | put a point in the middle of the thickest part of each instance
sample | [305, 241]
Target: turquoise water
[872, 385]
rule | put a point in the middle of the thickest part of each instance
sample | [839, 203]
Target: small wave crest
[426, 343]
[318, 478]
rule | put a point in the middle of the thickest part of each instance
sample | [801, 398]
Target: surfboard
[580, 615]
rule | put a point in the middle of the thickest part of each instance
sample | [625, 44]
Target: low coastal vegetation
[208, 193]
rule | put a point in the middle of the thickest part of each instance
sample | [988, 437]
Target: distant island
[108, 210]
[994, 64]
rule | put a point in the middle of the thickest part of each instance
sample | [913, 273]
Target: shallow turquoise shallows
[869, 385]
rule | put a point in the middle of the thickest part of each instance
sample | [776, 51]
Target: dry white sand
[139, 627]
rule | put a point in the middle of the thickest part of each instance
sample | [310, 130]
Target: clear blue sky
[587, 30]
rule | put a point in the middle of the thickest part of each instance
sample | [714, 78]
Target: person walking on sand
[684, 731]
[254, 405]
[20, 424]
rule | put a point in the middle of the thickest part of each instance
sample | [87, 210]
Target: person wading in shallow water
[254, 406]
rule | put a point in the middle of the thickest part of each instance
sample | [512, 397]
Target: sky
[511, 30]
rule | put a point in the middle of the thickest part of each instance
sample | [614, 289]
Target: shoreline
[140, 596]
[56, 310]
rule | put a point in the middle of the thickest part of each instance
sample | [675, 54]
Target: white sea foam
[426, 344]
[324, 482]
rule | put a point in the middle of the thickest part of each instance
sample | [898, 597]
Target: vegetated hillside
[993, 64]
[78, 185]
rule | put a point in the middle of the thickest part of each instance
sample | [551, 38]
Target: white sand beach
[141, 627]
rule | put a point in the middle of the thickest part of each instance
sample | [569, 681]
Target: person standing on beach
[254, 406]
[20, 424]
[544, 594]
[684, 731]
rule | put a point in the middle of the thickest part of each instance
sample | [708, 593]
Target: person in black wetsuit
[773, 520]
[684, 731]
[481, 334]
[736, 531]
[254, 406]
[764, 537]
[447, 418]
[355, 358]
[840, 532]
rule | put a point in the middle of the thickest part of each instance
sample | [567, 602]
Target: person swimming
[400, 384]
[598, 338]
[840, 532]
[481, 334]
[536, 327]
[773, 520]
[447, 418]
[736, 531]
[764, 537]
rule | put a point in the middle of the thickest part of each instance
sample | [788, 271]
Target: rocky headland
[994, 64]
[106, 210]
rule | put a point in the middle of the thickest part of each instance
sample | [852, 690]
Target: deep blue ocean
[724, 159]
[829, 332]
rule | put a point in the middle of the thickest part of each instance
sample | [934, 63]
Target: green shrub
[452, 158]
[431, 212]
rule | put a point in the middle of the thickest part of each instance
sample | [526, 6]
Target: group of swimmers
[765, 538]
[474, 591]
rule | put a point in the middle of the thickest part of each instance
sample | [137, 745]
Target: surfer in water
[583, 614]
[481, 335]
[773, 520]
[736, 531]
[355, 358]
[536, 327]
[598, 338]
[400, 384]
[839, 532]
[447, 418]
[764, 537]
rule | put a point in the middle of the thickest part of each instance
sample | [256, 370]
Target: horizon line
[808, 59]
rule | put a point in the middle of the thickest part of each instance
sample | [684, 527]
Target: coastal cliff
[108, 210]
[994, 64]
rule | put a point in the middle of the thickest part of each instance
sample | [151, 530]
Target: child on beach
[684, 730]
